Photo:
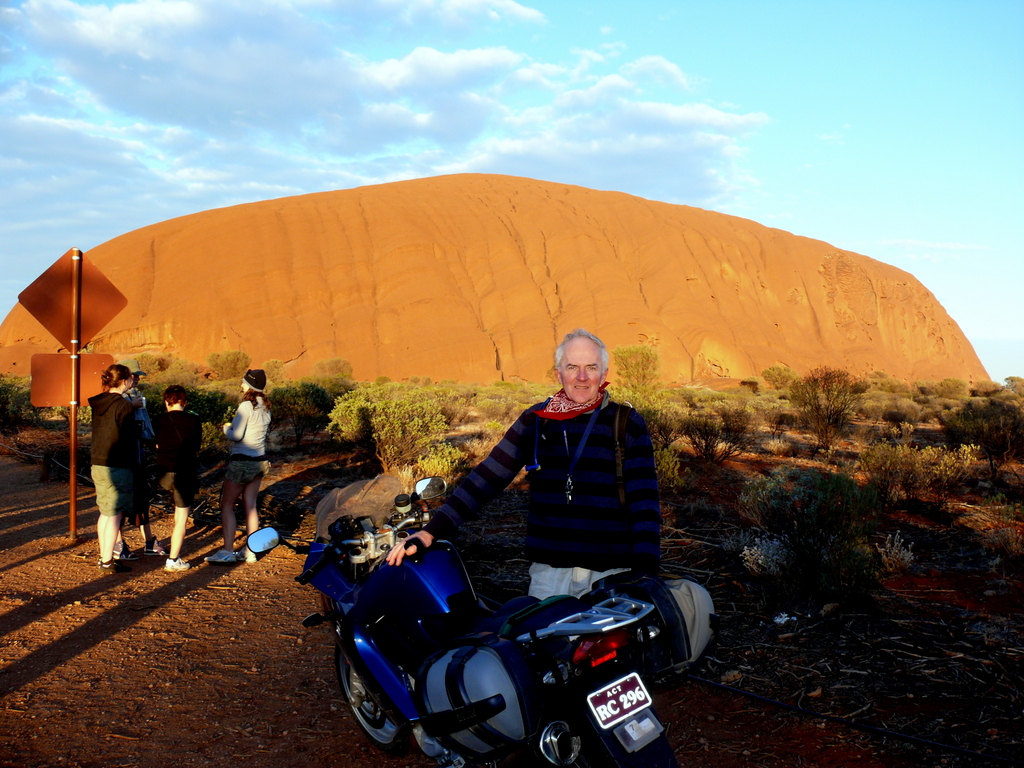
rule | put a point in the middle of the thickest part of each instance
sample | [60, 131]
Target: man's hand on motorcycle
[412, 545]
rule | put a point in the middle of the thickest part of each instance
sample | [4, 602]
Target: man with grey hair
[594, 506]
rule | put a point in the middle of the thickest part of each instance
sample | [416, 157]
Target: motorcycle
[420, 656]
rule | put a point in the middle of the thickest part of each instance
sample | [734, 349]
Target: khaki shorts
[113, 490]
[244, 472]
[547, 580]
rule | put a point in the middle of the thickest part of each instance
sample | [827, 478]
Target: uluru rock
[477, 277]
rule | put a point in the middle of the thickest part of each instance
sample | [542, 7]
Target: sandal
[153, 548]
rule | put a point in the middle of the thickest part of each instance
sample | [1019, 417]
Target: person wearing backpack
[594, 504]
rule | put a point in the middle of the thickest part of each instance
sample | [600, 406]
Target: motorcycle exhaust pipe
[558, 745]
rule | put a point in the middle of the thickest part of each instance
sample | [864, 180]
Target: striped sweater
[591, 530]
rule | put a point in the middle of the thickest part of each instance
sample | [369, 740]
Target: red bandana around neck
[561, 407]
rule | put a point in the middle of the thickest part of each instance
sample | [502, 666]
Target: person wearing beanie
[247, 465]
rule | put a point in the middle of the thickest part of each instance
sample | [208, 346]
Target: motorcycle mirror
[263, 540]
[429, 487]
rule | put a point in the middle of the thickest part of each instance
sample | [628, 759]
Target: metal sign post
[94, 303]
[76, 368]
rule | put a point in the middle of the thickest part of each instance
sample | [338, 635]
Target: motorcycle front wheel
[385, 734]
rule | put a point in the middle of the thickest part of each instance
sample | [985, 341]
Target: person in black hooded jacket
[114, 457]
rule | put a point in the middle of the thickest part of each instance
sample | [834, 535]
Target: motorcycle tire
[382, 732]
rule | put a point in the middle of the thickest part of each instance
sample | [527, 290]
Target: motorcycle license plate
[617, 701]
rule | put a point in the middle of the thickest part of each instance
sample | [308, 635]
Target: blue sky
[893, 129]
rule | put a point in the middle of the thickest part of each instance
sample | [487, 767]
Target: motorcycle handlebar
[330, 554]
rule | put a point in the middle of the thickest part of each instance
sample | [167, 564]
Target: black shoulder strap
[619, 431]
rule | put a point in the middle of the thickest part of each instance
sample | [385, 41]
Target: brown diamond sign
[49, 299]
[51, 379]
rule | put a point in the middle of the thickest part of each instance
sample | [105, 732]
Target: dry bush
[779, 446]
[897, 556]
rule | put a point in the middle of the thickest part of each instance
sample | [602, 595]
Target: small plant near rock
[441, 460]
[897, 556]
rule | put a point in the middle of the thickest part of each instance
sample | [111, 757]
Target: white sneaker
[176, 565]
[224, 557]
[250, 556]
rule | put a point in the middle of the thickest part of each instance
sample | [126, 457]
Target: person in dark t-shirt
[179, 435]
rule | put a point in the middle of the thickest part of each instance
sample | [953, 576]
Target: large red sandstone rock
[477, 277]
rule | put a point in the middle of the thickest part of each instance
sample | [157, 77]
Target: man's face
[580, 373]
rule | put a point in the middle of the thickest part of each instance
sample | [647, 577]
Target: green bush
[441, 460]
[820, 522]
[955, 389]
[898, 472]
[827, 398]
[399, 423]
[15, 402]
[664, 421]
[276, 371]
[231, 364]
[996, 427]
[779, 376]
[334, 367]
[304, 407]
[666, 464]
[985, 388]
[637, 367]
[718, 437]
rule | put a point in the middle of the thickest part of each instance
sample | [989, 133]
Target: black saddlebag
[481, 698]
[680, 628]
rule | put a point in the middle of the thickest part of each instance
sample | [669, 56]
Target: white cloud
[115, 117]
[428, 67]
[658, 68]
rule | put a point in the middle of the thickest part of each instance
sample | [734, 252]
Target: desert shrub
[666, 464]
[779, 421]
[231, 364]
[900, 472]
[821, 523]
[441, 459]
[947, 468]
[985, 388]
[779, 446]
[779, 376]
[902, 411]
[897, 471]
[333, 367]
[276, 371]
[664, 421]
[480, 445]
[637, 367]
[453, 402]
[718, 437]
[182, 372]
[954, 389]
[15, 402]
[752, 383]
[398, 423]
[827, 398]
[304, 407]
[153, 363]
[501, 408]
[1006, 541]
[897, 556]
[213, 436]
[880, 381]
[767, 557]
[1015, 384]
[997, 429]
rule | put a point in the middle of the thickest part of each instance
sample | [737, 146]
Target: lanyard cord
[579, 451]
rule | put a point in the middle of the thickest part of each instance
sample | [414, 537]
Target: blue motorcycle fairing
[329, 580]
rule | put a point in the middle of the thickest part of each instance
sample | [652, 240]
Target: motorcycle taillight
[597, 649]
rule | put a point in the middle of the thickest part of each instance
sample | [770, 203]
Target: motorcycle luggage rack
[613, 613]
